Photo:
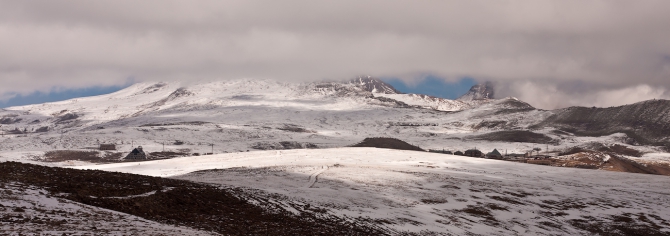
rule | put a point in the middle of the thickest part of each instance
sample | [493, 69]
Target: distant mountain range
[252, 113]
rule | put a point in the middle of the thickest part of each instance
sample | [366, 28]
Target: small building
[459, 153]
[107, 147]
[473, 153]
[495, 154]
[137, 154]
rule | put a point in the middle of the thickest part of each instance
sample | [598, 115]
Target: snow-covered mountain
[155, 100]
[243, 114]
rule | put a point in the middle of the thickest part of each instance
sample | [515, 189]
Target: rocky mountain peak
[480, 91]
[374, 85]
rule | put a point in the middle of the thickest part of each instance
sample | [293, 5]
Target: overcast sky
[548, 53]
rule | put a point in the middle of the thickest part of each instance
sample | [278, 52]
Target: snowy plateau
[283, 156]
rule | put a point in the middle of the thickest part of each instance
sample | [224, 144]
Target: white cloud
[613, 44]
[548, 95]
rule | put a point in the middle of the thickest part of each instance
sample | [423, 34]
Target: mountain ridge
[248, 111]
[648, 121]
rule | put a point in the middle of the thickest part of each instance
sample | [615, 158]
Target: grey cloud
[609, 44]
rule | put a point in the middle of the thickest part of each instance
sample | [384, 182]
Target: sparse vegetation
[176, 123]
[78, 155]
[434, 201]
[282, 145]
[490, 124]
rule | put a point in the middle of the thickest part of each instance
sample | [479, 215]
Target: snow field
[421, 192]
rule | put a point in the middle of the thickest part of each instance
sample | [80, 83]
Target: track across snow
[314, 177]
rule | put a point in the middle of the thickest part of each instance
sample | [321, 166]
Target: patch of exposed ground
[31, 210]
[78, 155]
[613, 158]
[521, 136]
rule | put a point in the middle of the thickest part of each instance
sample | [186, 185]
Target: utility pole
[163, 146]
[212, 148]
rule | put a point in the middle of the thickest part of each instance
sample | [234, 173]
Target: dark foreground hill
[176, 202]
[390, 143]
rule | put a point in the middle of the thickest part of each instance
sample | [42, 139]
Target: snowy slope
[419, 192]
[46, 215]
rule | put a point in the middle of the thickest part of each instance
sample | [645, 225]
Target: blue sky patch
[434, 86]
[41, 97]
